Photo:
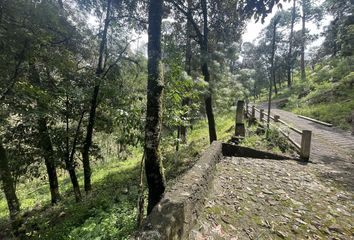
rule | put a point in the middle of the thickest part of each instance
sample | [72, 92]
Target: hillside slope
[327, 94]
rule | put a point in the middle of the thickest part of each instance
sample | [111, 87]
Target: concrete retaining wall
[174, 216]
[176, 213]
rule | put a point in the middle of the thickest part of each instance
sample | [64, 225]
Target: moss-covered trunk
[153, 162]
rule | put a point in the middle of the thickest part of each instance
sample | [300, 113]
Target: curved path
[270, 199]
[329, 145]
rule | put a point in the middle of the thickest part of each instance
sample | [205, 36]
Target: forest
[104, 103]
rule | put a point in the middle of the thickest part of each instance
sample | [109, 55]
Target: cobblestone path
[330, 146]
[269, 199]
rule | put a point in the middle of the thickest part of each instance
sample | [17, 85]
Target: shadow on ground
[341, 172]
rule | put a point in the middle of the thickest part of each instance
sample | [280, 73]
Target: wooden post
[240, 126]
[253, 112]
[276, 118]
[305, 145]
[261, 115]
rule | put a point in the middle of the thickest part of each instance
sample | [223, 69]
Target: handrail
[303, 149]
[316, 121]
[281, 121]
[292, 128]
[297, 146]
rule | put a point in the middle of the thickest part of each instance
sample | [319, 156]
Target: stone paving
[272, 199]
[269, 199]
[330, 146]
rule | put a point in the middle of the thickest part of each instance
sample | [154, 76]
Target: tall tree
[204, 43]
[187, 67]
[153, 162]
[94, 100]
[45, 142]
[304, 6]
[272, 57]
[202, 38]
[291, 41]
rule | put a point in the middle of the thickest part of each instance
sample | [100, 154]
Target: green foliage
[275, 142]
[117, 223]
[108, 212]
[182, 92]
[336, 113]
[176, 163]
[328, 94]
[49, 58]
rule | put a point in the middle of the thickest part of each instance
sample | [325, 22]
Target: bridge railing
[303, 148]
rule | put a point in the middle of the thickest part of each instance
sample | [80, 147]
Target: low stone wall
[176, 213]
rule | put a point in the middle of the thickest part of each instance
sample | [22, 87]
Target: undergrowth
[109, 211]
[327, 94]
[275, 142]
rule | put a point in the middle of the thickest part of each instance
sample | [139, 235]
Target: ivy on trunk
[153, 161]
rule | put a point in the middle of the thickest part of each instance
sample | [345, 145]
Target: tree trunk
[94, 102]
[69, 160]
[291, 36]
[272, 75]
[205, 71]
[178, 138]
[61, 5]
[273, 55]
[275, 84]
[303, 41]
[141, 198]
[74, 181]
[8, 184]
[45, 143]
[47, 148]
[153, 161]
[188, 68]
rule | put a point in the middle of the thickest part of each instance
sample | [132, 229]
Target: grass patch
[326, 95]
[106, 213]
[276, 143]
[335, 112]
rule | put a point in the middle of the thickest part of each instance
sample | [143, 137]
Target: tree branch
[120, 55]
[14, 77]
[76, 137]
[189, 16]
